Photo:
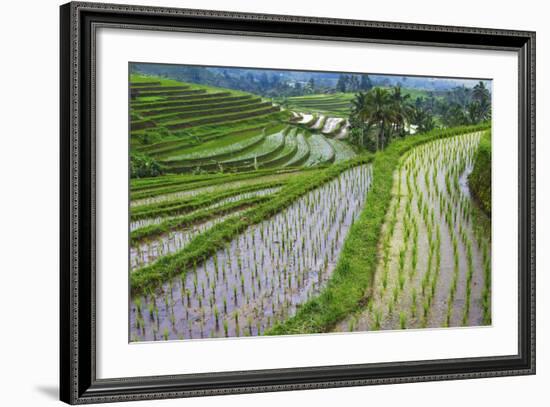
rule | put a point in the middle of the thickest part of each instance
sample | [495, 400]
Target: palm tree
[474, 112]
[480, 92]
[380, 111]
[402, 110]
[423, 119]
[359, 116]
[455, 115]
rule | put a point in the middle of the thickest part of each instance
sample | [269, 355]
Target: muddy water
[432, 290]
[157, 220]
[263, 275]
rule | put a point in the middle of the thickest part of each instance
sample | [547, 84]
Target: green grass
[348, 290]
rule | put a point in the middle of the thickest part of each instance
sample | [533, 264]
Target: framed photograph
[255, 203]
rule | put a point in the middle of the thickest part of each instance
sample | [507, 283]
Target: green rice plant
[352, 323]
[390, 308]
[216, 316]
[401, 279]
[377, 320]
[402, 254]
[225, 328]
[402, 320]
[385, 277]
[426, 308]
[395, 295]
[138, 304]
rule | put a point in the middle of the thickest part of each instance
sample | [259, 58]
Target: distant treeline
[285, 83]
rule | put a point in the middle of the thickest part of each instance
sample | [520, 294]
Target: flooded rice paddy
[434, 269]
[140, 223]
[260, 277]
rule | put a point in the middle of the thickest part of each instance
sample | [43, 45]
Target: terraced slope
[189, 128]
[337, 104]
[167, 116]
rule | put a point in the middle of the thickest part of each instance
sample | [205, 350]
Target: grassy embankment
[480, 178]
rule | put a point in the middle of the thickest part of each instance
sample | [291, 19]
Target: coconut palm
[359, 117]
[380, 112]
[423, 119]
[480, 92]
[402, 110]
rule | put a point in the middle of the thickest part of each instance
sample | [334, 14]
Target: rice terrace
[274, 202]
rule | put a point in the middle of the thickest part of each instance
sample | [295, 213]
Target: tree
[402, 110]
[353, 83]
[358, 120]
[365, 83]
[375, 108]
[422, 119]
[482, 96]
[309, 87]
[264, 81]
[342, 83]
[480, 92]
[474, 112]
[455, 115]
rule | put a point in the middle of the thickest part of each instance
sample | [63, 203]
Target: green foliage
[480, 178]
[141, 165]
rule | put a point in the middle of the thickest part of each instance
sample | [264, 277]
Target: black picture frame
[78, 382]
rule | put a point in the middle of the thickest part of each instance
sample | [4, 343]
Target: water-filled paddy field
[435, 263]
[262, 275]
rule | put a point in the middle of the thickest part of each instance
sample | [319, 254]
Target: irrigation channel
[434, 268]
[263, 275]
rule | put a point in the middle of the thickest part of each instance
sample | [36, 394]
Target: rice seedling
[402, 320]
[377, 320]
